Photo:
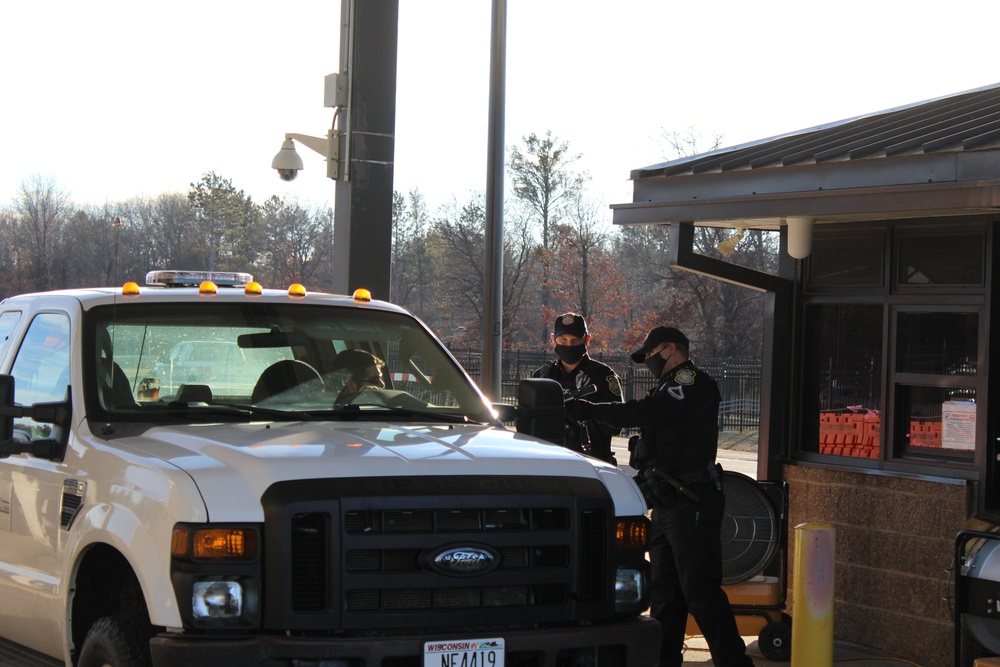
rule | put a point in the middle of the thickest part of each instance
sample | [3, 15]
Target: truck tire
[115, 641]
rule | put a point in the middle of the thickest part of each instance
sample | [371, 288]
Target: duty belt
[653, 476]
[703, 475]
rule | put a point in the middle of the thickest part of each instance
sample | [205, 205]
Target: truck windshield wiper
[355, 410]
[237, 409]
[348, 412]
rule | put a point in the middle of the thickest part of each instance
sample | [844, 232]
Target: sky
[120, 98]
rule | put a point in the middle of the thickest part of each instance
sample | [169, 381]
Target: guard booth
[878, 325]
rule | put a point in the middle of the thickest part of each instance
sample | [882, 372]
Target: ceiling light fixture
[727, 247]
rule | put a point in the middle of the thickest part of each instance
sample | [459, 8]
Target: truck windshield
[285, 361]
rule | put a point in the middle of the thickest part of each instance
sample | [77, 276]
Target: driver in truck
[365, 371]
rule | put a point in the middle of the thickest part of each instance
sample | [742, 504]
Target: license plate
[464, 653]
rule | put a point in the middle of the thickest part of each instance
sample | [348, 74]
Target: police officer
[574, 369]
[675, 457]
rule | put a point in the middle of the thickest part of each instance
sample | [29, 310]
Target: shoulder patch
[614, 386]
[685, 376]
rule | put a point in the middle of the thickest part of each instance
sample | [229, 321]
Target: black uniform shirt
[681, 416]
[609, 389]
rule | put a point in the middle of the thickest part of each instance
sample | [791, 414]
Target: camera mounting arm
[318, 144]
[289, 164]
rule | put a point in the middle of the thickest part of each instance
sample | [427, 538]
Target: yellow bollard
[812, 598]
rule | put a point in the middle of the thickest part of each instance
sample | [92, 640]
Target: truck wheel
[115, 641]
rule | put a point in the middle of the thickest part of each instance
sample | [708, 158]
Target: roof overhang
[916, 185]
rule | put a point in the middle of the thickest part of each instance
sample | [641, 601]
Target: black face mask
[571, 354]
[655, 364]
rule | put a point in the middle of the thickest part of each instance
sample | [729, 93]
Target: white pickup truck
[297, 511]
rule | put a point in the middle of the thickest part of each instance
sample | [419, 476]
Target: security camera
[287, 161]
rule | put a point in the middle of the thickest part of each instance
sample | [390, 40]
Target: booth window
[954, 260]
[936, 382]
[853, 260]
[843, 379]
[893, 369]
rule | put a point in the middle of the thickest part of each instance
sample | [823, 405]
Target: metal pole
[492, 365]
[362, 249]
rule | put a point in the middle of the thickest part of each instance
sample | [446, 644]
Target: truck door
[31, 493]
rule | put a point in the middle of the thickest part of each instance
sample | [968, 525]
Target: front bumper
[630, 643]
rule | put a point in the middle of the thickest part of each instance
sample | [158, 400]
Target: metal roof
[885, 162]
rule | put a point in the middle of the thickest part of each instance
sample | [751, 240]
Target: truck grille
[365, 554]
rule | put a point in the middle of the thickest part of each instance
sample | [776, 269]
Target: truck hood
[233, 464]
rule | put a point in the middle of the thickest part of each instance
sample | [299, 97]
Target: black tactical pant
[686, 555]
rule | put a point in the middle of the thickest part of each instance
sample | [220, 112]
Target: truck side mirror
[6, 401]
[57, 413]
[540, 410]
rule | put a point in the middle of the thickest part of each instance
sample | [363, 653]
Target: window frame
[923, 231]
[860, 234]
[26, 424]
[895, 457]
[9, 319]
[896, 450]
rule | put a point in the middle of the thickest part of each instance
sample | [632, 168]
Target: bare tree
[455, 250]
[583, 234]
[173, 229]
[543, 181]
[458, 243]
[95, 258]
[134, 247]
[409, 250]
[10, 268]
[518, 268]
[294, 247]
[40, 213]
[690, 142]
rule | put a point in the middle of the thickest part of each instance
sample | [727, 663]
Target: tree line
[560, 254]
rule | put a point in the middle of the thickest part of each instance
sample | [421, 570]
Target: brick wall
[894, 546]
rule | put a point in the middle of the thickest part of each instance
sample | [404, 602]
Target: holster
[641, 455]
[576, 436]
[657, 492]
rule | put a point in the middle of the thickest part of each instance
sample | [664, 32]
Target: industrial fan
[753, 561]
[977, 590]
[750, 529]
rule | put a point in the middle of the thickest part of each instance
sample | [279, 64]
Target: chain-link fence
[739, 380]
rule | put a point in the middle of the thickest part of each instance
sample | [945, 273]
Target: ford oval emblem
[465, 561]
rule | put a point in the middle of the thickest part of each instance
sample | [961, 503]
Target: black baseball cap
[656, 337]
[571, 324]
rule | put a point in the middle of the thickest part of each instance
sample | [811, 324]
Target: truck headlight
[216, 572]
[217, 599]
[632, 574]
[630, 588]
